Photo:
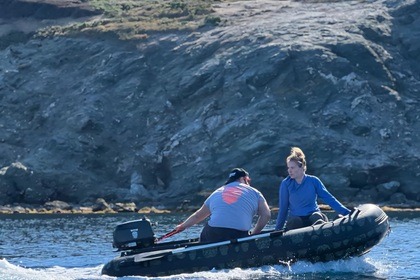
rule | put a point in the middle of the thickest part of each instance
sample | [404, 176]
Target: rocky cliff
[163, 118]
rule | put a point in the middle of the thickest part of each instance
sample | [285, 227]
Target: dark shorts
[305, 221]
[216, 234]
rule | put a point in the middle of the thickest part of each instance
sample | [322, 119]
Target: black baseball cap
[235, 174]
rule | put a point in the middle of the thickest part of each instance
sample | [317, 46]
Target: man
[231, 209]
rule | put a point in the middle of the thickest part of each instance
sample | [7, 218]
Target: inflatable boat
[349, 236]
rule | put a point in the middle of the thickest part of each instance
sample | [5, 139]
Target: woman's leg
[294, 222]
[318, 218]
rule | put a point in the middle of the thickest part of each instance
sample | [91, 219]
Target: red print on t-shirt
[231, 194]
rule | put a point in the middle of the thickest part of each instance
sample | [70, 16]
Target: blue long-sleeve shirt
[301, 199]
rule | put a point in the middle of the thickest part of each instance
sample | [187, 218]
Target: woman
[298, 196]
[231, 209]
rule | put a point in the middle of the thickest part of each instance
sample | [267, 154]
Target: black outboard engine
[133, 235]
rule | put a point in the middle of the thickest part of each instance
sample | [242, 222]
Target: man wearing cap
[231, 209]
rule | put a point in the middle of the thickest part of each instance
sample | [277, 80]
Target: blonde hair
[297, 155]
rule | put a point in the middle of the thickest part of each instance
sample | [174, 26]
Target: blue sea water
[70, 247]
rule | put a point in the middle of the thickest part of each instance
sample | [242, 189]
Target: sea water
[67, 247]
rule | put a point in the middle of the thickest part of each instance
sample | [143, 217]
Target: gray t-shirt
[233, 206]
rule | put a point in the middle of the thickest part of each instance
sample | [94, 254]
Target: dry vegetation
[132, 19]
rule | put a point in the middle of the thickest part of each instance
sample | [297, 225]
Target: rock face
[164, 119]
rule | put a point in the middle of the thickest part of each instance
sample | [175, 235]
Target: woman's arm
[283, 206]
[328, 198]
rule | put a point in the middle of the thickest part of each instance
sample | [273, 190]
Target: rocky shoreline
[165, 117]
[100, 206]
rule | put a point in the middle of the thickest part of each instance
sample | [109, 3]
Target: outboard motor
[133, 235]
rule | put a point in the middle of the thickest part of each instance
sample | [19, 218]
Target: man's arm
[264, 215]
[195, 218]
